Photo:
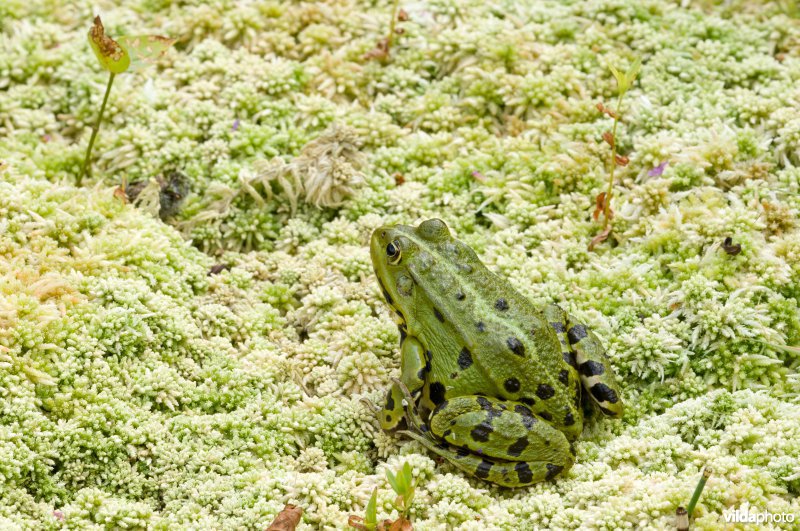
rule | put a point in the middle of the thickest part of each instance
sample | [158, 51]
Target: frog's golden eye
[393, 252]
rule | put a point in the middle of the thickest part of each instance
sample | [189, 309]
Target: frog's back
[486, 338]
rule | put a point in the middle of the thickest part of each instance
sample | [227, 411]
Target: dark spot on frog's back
[480, 326]
[569, 420]
[484, 403]
[438, 315]
[604, 393]
[563, 376]
[576, 333]
[464, 358]
[553, 470]
[523, 472]
[558, 327]
[516, 346]
[482, 431]
[545, 391]
[501, 304]
[483, 469]
[460, 296]
[528, 420]
[591, 368]
[437, 393]
[516, 448]
[511, 385]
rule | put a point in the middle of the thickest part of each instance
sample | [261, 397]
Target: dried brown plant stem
[607, 203]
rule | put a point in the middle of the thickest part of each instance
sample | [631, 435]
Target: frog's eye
[393, 252]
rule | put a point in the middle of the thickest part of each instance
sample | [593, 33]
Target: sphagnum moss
[151, 382]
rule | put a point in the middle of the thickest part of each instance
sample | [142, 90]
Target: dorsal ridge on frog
[496, 383]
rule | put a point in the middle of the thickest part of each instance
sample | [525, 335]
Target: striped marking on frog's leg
[594, 368]
[558, 322]
[498, 471]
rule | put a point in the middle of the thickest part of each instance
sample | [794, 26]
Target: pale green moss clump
[201, 372]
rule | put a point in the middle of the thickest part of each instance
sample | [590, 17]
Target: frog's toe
[392, 415]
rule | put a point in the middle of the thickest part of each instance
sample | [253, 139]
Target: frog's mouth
[378, 243]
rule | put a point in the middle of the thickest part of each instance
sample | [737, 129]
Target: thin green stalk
[607, 205]
[86, 170]
[698, 490]
[390, 38]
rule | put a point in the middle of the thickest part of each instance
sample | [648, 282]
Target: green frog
[488, 381]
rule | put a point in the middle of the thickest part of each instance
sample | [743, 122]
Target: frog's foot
[499, 471]
[372, 407]
[412, 416]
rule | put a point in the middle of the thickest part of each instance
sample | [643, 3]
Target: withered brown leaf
[287, 519]
[603, 236]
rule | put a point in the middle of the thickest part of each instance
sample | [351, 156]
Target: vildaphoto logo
[750, 515]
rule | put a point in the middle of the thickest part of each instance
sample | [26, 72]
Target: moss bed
[203, 370]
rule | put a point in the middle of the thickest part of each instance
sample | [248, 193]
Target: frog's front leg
[499, 441]
[414, 363]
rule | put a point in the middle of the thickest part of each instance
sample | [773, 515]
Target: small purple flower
[658, 170]
[478, 176]
[59, 515]
[235, 125]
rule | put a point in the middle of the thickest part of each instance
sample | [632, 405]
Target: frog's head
[399, 253]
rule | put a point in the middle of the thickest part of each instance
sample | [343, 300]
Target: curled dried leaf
[401, 524]
[218, 268]
[119, 193]
[287, 519]
[621, 160]
[110, 54]
[608, 136]
[398, 178]
[381, 50]
[402, 16]
[605, 110]
[603, 236]
[731, 248]
[356, 522]
[599, 205]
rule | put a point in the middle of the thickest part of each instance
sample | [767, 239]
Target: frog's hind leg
[591, 362]
[498, 471]
[496, 440]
